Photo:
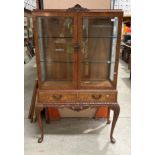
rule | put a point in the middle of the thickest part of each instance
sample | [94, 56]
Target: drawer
[50, 97]
[97, 97]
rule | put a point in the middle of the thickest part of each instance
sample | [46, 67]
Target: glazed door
[56, 38]
[99, 35]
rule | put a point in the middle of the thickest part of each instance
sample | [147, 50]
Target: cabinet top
[78, 8]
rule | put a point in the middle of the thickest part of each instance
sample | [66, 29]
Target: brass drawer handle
[77, 47]
[107, 96]
[57, 97]
[96, 96]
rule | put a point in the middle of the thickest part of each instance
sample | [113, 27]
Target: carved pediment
[77, 8]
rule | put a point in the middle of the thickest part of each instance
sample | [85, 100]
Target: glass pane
[57, 71]
[98, 27]
[60, 49]
[90, 71]
[56, 49]
[98, 49]
[55, 26]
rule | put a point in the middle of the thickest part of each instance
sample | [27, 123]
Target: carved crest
[77, 8]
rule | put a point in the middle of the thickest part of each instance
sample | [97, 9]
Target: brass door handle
[96, 96]
[76, 47]
[57, 96]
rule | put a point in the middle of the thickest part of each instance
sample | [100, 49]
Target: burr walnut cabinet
[77, 54]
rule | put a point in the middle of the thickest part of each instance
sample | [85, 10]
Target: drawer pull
[96, 96]
[107, 96]
[57, 97]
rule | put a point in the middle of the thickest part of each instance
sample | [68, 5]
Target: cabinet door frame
[54, 13]
[100, 13]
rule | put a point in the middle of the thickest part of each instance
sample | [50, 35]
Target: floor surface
[79, 136]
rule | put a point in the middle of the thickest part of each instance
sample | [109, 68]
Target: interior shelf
[100, 37]
[56, 61]
[53, 37]
[89, 61]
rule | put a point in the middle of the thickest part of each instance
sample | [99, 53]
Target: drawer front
[97, 97]
[48, 97]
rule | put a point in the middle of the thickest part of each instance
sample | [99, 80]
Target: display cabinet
[77, 54]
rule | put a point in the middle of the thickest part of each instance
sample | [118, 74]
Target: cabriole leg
[116, 109]
[38, 113]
